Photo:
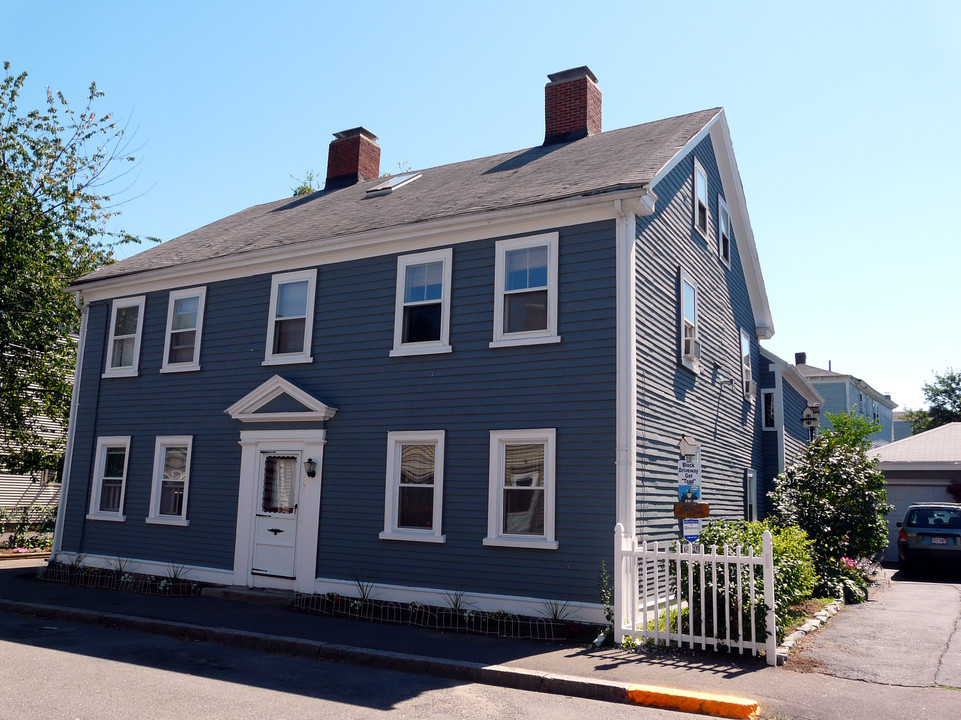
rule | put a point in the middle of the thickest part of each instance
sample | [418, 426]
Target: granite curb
[497, 675]
[810, 625]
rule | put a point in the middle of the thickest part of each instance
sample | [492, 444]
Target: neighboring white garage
[919, 469]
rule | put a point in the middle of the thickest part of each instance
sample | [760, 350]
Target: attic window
[388, 186]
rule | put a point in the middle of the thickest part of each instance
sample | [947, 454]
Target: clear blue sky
[843, 117]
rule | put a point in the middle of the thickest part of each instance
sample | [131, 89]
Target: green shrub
[794, 576]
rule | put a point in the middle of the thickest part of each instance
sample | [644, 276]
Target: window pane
[280, 484]
[175, 463]
[702, 216]
[422, 323]
[745, 350]
[417, 464]
[525, 311]
[690, 302]
[113, 463]
[424, 282]
[769, 410]
[182, 346]
[185, 313]
[289, 335]
[110, 494]
[524, 465]
[526, 268]
[122, 355]
[416, 508]
[126, 320]
[171, 498]
[523, 511]
[701, 186]
[292, 299]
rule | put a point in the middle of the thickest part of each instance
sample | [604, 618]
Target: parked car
[930, 534]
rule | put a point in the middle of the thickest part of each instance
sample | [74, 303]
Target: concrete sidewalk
[686, 681]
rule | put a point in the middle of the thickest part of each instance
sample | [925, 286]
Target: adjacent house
[790, 410]
[458, 378]
[846, 393]
[919, 469]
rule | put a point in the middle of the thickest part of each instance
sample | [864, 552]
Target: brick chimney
[800, 358]
[572, 106]
[353, 157]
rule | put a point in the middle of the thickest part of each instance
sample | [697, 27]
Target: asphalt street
[54, 669]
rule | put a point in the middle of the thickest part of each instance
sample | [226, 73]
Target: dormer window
[700, 199]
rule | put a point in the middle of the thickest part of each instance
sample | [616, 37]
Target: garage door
[902, 494]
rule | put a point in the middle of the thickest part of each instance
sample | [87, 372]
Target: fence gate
[672, 592]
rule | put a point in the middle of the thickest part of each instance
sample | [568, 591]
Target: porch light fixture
[310, 467]
[688, 447]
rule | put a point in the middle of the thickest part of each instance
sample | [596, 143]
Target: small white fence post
[767, 553]
[620, 603]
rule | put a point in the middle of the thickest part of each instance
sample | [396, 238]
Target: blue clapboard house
[454, 379]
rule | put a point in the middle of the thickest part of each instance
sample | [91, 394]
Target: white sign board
[692, 529]
[689, 480]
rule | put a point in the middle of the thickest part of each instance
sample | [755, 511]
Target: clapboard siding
[671, 399]
[569, 386]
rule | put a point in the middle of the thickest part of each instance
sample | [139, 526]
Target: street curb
[498, 675]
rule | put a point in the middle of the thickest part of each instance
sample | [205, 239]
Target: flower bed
[448, 619]
[174, 584]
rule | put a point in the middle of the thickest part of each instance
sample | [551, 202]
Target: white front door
[275, 524]
[278, 509]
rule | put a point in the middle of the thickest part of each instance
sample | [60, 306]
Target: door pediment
[279, 400]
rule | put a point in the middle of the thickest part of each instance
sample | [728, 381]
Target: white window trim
[103, 444]
[724, 211]
[532, 337]
[692, 365]
[499, 439]
[395, 443]
[164, 441]
[133, 370]
[707, 194]
[276, 281]
[201, 294]
[773, 394]
[748, 383]
[434, 346]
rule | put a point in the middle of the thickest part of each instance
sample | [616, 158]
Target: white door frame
[310, 444]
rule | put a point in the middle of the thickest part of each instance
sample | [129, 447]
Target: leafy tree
[850, 429]
[943, 397]
[309, 184]
[837, 495]
[53, 212]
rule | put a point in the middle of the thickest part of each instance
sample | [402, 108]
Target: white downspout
[71, 429]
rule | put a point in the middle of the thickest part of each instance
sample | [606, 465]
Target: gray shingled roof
[629, 157]
[940, 445]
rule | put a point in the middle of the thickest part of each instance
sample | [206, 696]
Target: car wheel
[905, 567]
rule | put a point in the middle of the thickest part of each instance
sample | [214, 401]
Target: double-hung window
[291, 320]
[689, 342]
[748, 383]
[701, 219]
[109, 478]
[123, 346]
[723, 231]
[171, 475]
[525, 291]
[422, 306]
[415, 486]
[185, 317]
[522, 487]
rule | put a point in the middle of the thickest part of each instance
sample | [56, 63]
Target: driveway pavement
[908, 634]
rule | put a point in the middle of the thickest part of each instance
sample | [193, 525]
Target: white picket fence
[694, 596]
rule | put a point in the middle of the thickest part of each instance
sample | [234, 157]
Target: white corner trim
[626, 378]
[246, 408]
[71, 429]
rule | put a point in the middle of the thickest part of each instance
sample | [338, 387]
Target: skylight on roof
[388, 186]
